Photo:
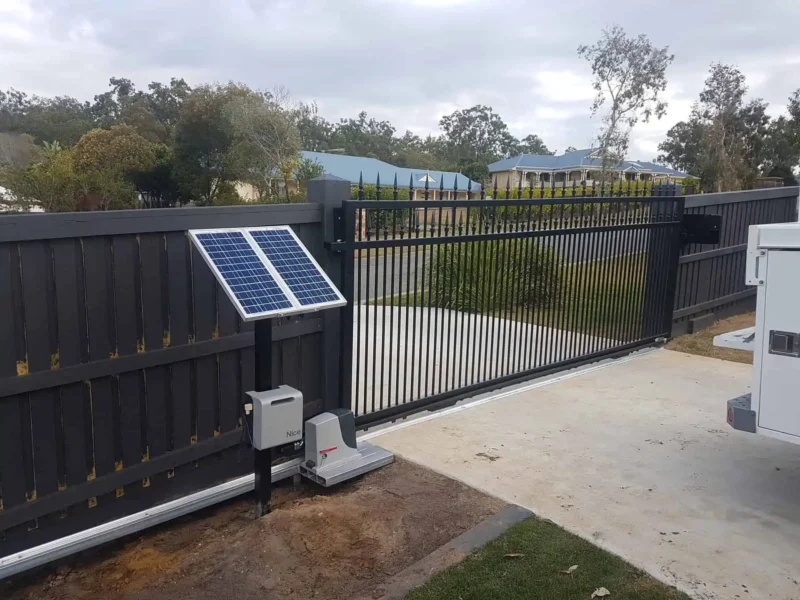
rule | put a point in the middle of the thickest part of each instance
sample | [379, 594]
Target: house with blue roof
[353, 168]
[578, 167]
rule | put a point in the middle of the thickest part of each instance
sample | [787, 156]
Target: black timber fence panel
[711, 277]
[123, 366]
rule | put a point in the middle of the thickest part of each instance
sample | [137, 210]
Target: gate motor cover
[332, 453]
[277, 417]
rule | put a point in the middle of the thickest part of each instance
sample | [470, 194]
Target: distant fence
[123, 364]
[711, 277]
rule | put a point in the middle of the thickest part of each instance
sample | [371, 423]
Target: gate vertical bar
[348, 215]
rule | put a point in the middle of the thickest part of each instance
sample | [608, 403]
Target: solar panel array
[266, 271]
[244, 272]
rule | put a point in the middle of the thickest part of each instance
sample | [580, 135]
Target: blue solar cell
[301, 275]
[244, 272]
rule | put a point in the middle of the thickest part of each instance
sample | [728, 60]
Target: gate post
[674, 259]
[663, 251]
[329, 191]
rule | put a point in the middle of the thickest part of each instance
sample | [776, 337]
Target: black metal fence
[123, 365]
[711, 280]
[452, 297]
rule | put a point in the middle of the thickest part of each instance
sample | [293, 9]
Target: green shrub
[691, 185]
[387, 193]
[227, 195]
[618, 188]
[380, 222]
[509, 218]
[474, 276]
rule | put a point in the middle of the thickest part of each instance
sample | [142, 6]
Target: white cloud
[408, 61]
[564, 86]
[15, 33]
[552, 113]
[436, 4]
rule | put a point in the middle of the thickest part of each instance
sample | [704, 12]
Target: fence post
[329, 191]
[663, 250]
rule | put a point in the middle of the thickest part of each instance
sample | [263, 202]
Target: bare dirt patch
[315, 544]
[702, 342]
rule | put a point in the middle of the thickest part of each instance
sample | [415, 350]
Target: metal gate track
[89, 538]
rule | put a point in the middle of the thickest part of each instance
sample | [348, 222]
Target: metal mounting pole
[263, 378]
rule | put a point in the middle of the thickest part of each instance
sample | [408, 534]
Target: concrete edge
[397, 586]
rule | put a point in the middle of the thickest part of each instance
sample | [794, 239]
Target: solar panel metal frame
[296, 308]
[340, 301]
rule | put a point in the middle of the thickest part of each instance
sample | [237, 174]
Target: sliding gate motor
[267, 272]
[332, 453]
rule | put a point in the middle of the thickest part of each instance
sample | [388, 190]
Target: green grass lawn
[603, 298]
[547, 551]
[702, 342]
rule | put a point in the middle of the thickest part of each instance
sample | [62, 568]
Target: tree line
[172, 144]
[728, 141]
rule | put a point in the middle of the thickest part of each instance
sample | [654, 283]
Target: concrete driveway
[636, 456]
[412, 352]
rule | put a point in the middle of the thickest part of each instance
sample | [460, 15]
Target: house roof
[354, 167]
[577, 159]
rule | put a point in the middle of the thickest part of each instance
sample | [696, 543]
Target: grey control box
[277, 417]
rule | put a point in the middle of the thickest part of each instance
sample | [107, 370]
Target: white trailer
[773, 265]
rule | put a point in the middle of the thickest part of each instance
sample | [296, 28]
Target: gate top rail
[476, 203]
[384, 223]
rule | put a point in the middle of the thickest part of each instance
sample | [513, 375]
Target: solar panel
[246, 279]
[266, 271]
[294, 264]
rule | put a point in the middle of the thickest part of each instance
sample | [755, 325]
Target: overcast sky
[408, 61]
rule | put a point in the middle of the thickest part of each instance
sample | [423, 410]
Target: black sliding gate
[453, 297]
